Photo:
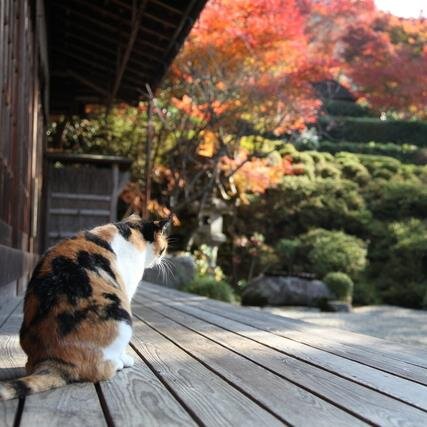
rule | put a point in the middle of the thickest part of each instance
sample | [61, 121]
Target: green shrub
[365, 293]
[340, 285]
[397, 199]
[403, 152]
[287, 252]
[369, 129]
[209, 287]
[329, 251]
[346, 108]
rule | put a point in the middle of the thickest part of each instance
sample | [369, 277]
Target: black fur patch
[124, 229]
[68, 321]
[21, 389]
[98, 241]
[95, 261]
[147, 229]
[114, 311]
[67, 278]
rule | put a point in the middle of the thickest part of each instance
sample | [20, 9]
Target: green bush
[397, 199]
[329, 251]
[403, 152]
[209, 287]
[365, 293]
[287, 252]
[347, 108]
[369, 129]
[340, 285]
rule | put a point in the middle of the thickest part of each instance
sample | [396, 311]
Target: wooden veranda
[206, 363]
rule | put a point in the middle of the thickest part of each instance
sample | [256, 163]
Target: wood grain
[75, 405]
[360, 350]
[371, 405]
[408, 391]
[209, 397]
[12, 361]
[289, 402]
[135, 396]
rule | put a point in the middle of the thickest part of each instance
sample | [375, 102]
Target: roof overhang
[102, 51]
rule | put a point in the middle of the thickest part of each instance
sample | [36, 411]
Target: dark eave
[102, 51]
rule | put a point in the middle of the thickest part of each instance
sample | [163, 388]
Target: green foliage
[329, 251]
[402, 152]
[209, 287]
[370, 129]
[397, 199]
[340, 285]
[365, 293]
[287, 252]
[347, 108]
[377, 203]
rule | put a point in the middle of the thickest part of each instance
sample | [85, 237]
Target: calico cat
[77, 316]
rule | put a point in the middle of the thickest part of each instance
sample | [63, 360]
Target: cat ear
[163, 225]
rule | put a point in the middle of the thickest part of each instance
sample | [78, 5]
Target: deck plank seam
[320, 396]
[327, 351]
[242, 391]
[10, 314]
[104, 405]
[243, 310]
[190, 412]
[19, 412]
[206, 308]
[283, 352]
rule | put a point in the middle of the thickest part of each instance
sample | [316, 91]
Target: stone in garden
[339, 307]
[285, 290]
[180, 271]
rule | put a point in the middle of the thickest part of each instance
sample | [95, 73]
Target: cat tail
[46, 375]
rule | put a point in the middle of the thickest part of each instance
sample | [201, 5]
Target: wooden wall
[81, 193]
[23, 91]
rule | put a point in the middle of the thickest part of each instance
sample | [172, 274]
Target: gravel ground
[392, 323]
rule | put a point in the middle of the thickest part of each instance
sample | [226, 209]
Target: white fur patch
[130, 262]
[116, 349]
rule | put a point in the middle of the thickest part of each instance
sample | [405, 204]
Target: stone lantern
[210, 231]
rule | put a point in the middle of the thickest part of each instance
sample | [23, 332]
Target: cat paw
[127, 360]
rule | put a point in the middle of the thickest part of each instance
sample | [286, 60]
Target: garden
[288, 141]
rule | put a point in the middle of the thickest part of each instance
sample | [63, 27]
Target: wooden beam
[100, 46]
[159, 3]
[136, 19]
[88, 83]
[110, 27]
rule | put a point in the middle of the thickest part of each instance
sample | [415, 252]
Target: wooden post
[115, 193]
[148, 144]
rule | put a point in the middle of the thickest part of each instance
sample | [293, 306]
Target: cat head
[150, 236]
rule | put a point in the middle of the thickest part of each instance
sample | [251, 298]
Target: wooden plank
[290, 403]
[74, 405]
[136, 394]
[387, 361]
[7, 307]
[369, 405]
[83, 212]
[207, 396]
[14, 264]
[407, 391]
[12, 361]
[81, 196]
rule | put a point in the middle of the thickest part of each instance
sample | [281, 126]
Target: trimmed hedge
[340, 285]
[403, 152]
[369, 129]
[346, 108]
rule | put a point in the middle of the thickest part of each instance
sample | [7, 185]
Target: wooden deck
[202, 362]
